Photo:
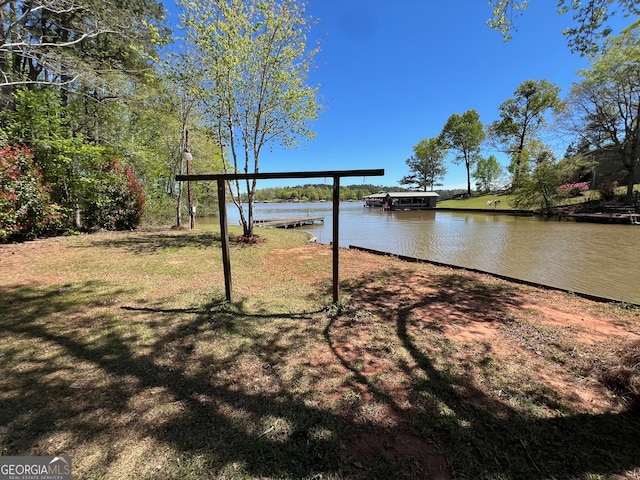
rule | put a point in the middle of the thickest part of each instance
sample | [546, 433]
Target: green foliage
[113, 198]
[26, 210]
[74, 43]
[540, 190]
[39, 121]
[589, 18]
[111, 104]
[318, 192]
[81, 176]
[488, 171]
[464, 134]
[426, 165]
[255, 62]
[521, 119]
[605, 106]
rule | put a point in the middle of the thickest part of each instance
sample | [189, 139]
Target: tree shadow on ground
[99, 368]
[148, 243]
[484, 437]
[85, 375]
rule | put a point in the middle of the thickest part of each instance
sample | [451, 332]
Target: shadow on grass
[149, 243]
[69, 369]
[98, 379]
[482, 437]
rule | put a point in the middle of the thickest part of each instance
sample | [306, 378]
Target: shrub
[26, 209]
[114, 199]
[573, 189]
[608, 189]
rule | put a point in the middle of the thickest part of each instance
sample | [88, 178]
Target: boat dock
[288, 222]
[632, 218]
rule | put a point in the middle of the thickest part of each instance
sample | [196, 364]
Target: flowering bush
[572, 189]
[26, 209]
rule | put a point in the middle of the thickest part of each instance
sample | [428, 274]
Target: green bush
[113, 199]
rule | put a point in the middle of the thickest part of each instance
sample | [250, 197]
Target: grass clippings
[119, 350]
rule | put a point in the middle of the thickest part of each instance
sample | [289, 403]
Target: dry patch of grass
[119, 350]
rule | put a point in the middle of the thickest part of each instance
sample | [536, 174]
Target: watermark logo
[35, 468]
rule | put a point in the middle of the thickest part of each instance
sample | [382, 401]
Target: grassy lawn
[118, 349]
[479, 202]
[506, 203]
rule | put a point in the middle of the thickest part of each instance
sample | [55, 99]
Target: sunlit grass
[480, 202]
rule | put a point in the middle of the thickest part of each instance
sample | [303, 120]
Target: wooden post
[221, 178]
[336, 228]
[224, 235]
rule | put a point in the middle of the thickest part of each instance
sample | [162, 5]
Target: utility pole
[188, 158]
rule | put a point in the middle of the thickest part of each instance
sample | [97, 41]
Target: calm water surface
[590, 258]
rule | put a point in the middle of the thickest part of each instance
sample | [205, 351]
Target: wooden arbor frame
[224, 232]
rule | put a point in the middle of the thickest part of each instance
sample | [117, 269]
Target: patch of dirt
[247, 240]
[408, 455]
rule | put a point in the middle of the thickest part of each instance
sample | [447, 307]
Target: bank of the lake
[592, 259]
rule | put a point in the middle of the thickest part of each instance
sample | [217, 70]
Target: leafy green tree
[39, 121]
[540, 189]
[255, 58]
[549, 179]
[521, 119]
[488, 171]
[604, 108]
[426, 164]
[464, 134]
[590, 19]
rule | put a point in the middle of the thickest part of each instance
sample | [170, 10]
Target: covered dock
[402, 200]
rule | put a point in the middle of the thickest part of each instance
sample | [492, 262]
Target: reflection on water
[589, 258]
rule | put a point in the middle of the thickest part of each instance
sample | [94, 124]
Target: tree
[590, 19]
[80, 176]
[464, 134]
[487, 173]
[549, 179]
[93, 91]
[540, 190]
[426, 165]
[605, 106]
[255, 58]
[521, 118]
[64, 42]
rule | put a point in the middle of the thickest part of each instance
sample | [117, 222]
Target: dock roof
[403, 195]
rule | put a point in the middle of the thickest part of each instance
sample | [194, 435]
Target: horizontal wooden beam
[279, 175]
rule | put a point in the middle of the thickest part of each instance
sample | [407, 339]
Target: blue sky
[391, 74]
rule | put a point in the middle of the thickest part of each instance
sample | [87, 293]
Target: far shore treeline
[324, 192]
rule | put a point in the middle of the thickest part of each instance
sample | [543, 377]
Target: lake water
[589, 258]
